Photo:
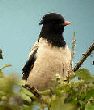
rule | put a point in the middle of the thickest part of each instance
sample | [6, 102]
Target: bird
[50, 54]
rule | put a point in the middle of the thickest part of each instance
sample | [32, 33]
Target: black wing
[29, 65]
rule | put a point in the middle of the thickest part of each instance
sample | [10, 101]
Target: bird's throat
[53, 37]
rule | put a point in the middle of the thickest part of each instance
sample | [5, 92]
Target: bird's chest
[53, 59]
[49, 62]
[52, 55]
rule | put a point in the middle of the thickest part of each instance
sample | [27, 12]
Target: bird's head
[52, 29]
[54, 20]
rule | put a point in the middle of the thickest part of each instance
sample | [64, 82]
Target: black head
[52, 18]
[53, 27]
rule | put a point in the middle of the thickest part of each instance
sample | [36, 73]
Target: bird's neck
[53, 36]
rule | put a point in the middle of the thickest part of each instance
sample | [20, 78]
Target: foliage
[77, 93]
[1, 57]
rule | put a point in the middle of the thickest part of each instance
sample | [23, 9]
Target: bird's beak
[66, 23]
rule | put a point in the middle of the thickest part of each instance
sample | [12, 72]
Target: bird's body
[49, 56]
[50, 61]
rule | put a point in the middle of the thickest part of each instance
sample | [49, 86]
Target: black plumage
[52, 29]
[29, 65]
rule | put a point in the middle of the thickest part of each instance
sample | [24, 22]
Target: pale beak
[66, 23]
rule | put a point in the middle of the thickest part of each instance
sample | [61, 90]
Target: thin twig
[73, 46]
[87, 53]
[37, 95]
[72, 54]
[32, 90]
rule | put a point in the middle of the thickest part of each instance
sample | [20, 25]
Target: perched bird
[50, 54]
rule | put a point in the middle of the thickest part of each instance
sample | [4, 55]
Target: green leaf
[25, 94]
[72, 75]
[22, 82]
[7, 84]
[26, 107]
[2, 93]
[25, 97]
[89, 107]
[1, 74]
[58, 105]
[89, 94]
[84, 74]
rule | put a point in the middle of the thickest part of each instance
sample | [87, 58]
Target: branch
[73, 45]
[36, 92]
[88, 52]
[73, 51]
[32, 90]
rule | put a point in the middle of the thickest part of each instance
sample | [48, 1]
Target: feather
[30, 62]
